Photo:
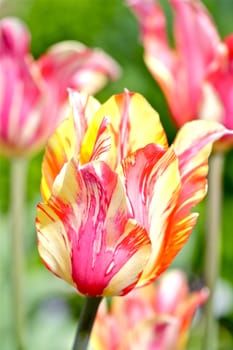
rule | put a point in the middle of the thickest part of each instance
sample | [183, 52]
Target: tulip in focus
[196, 76]
[156, 317]
[117, 200]
[33, 92]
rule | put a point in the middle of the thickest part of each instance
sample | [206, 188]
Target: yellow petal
[133, 124]
[53, 244]
[66, 140]
[162, 203]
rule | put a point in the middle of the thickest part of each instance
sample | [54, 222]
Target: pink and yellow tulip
[156, 317]
[33, 92]
[116, 199]
[196, 75]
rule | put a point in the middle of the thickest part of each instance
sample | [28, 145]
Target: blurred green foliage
[111, 26]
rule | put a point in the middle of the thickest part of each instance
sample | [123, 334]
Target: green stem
[17, 205]
[86, 322]
[213, 243]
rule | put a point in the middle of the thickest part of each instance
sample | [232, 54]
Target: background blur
[52, 306]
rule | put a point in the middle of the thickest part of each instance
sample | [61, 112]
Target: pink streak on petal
[137, 169]
[94, 263]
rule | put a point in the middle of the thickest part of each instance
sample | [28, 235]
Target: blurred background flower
[156, 317]
[34, 93]
[196, 73]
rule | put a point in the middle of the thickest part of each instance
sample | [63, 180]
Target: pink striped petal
[138, 169]
[194, 142]
[192, 146]
[72, 64]
[128, 130]
[157, 186]
[181, 71]
[108, 251]
[33, 95]
[19, 105]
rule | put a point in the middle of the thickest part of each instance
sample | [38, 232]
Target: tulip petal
[157, 180]
[187, 310]
[58, 151]
[72, 64]
[18, 97]
[165, 181]
[133, 124]
[84, 108]
[134, 248]
[53, 244]
[137, 169]
[192, 146]
[167, 299]
[197, 42]
[160, 59]
[87, 203]
[67, 139]
[14, 37]
[220, 84]
[197, 46]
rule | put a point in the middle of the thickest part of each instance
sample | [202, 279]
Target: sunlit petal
[67, 139]
[133, 124]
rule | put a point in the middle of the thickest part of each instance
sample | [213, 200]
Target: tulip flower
[195, 75]
[116, 199]
[112, 130]
[158, 316]
[33, 92]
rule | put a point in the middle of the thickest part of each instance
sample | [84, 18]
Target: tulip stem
[86, 322]
[17, 204]
[213, 243]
